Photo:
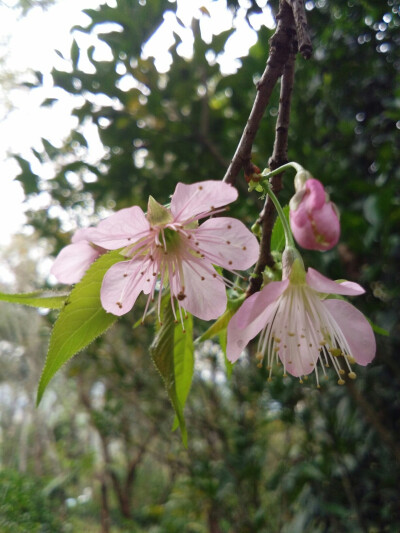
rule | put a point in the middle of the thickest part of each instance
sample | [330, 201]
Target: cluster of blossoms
[303, 327]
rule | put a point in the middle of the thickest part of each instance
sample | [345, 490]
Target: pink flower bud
[314, 218]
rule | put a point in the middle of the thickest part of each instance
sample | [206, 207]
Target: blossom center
[172, 239]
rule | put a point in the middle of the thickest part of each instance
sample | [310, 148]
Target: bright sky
[30, 43]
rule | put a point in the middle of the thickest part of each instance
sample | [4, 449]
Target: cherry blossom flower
[313, 218]
[300, 327]
[167, 246]
[73, 260]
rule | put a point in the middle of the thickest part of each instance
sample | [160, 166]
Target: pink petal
[189, 201]
[301, 362]
[251, 318]
[73, 261]
[81, 234]
[204, 298]
[356, 329]
[317, 230]
[121, 229]
[122, 284]
[320, 283]
[315, 196]
[228, 243]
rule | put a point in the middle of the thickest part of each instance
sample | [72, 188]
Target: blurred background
[103, 103]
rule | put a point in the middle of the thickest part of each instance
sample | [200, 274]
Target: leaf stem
[266, 173]
[288, 233]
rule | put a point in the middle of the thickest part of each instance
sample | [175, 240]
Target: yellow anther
[352, 375]
[259, 356]
[259, 365]
[336, 352]
[350, 359]
[277, 339]
[290, 334]
[340, 381]
[301, 381]
[269, 379]
[341, 371]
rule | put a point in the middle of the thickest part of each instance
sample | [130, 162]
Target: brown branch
[278, 158]
[303, 36]
[281, 45]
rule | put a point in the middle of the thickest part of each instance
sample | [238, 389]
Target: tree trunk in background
[105, 511]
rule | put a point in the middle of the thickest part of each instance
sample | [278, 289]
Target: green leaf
[43, 298]
[378, 329]
[222, 341]
[80, 321]
[278, 235]
[184, 361]
[172, 353]
[222, 322]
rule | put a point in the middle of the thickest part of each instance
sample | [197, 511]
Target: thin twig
[278, 158]
[281, 45]
[303, 36]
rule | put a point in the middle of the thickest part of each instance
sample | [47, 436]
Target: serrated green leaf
[222, 322]
[47, 299]
[278, 235]
[172, 353]
[80, 321]
[184, 361]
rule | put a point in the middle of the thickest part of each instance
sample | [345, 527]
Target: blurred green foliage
[24, 505]
[265, 457]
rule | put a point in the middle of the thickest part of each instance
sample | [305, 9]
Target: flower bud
[313, 217]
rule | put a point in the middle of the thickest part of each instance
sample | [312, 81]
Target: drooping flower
[300, 327]
[313, 217]
[167, 246]
[73, 260]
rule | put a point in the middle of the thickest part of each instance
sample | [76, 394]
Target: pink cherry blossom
[313, 218]
[167, 246]
[73, 260]
[301, 328]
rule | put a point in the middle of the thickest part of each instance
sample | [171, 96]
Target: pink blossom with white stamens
[301, 330]
[166, 246]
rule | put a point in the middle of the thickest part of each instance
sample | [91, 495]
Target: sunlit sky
[30, 43]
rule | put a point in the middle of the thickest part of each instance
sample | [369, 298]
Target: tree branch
[303, 36]
[281, 45]
[291, 21]
[278, 158]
